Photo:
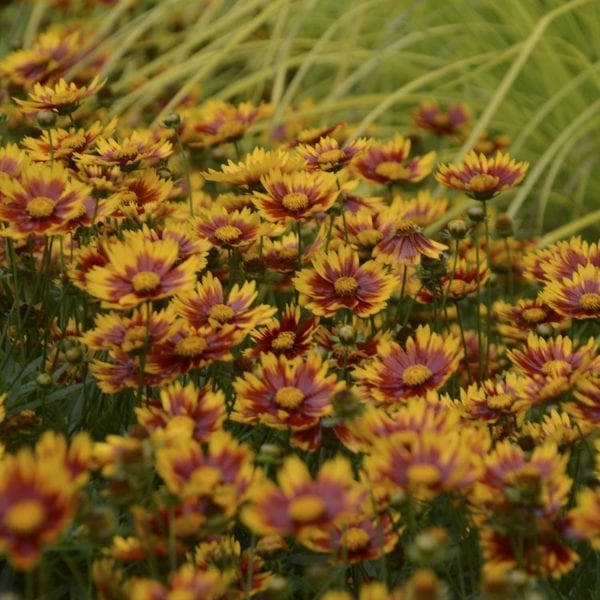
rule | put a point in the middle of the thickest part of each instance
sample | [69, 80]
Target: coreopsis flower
[290, 337]
[403, 241]
[460, 283]
[389, 163]
[337, 280]
[423, 209]
[584, 517]
[295, 196]
[481, 177]
[38, 498]
[586, 407]
[140, 149]
[204, 407]
[63, 98]
[141, 270]
[489, 145]
[298, 503]
[516, 321]
[556, 427]
[222, 470]
[45, 200]
[13, 161]
[454, 121]
[238, 229]
[312, 135]
[286, 393]
[208, 304]
[328, 155]
[248, 172]
[577, 296]
[353, 202]
[425, 363]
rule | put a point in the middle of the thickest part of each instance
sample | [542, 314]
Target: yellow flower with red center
[237, 229]
[286, 393]
[389, 163]
[328, 155]
[140, 270]
[207, 304]
[337, 280]
[577, 296]
[481, 177]
[300, 503]
[295, 196]
[423, 209]
[425, 363]
[38, 498]
[45, 200]
[64, 97]
[454, 121]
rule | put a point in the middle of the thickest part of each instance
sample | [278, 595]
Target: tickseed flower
[481, 177]
[286, 393]
[584, 517]
[37, 501]
[557, 427]
[299, 503]
[207, 304]
[425, 363]
[389, 163]
[140, 270]
[454, 121]
[13, 161]
[248, 172]
[337, 280]
[463, 282]
[564, 258]
[295, 196]
[328, 155]
[290, 337]
[516, 321]
[44, 201]
[63, 98]
[205, 408]
[489, 145]
[238, 229]
[423, 209]
[577, 296]
[586, 407]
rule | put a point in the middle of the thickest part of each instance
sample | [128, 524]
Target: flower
[425, 363]
[63, 97]
[286, 393]
[389, 163]
[237, 229]
[337, 280]
[140, 270]
[457, 285]
[577, 296]
[44, 201]
[295, 196]
[481, 177]
[451, 122]
[327, 155]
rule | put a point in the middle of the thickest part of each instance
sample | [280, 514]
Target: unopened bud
[46, 119]
[172, 121]
[504, 225]
[457, 228]
[476, 214]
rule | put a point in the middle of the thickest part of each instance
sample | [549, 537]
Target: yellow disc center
[306, 508]
[193, 345]
[533, 314]
[331, 156]
[405, 228]
[289, 397]
[590, 301]
[499, 401]
[423, 474]
[355, 538]
[483, 182]
[392, 170]
[136, 336]
[228, 233]
[556, 368]
[458, 288]
[221, 313]
[25, 517]
[284, 341]
[145, 281]
[40, 207]
[295, 201]
[416, 375]
[345, 286]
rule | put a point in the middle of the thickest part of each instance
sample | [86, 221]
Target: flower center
[441, 119]
[284, 341]
[145, 281]
[40, 207]
[136, 336]
[228, 233]
[500, 401]
[416, 375]
[289, 397]
[423, 474]
[345, 286]
[555, 368]
[369, 237]
[221, 313]
[392, 170]
[306, 508]
[458, 288]
[295, 201]
[405, 228]
[590, 301]
[193, 345]
[25, 517]
[483, 182]
[331, 156]
[355, 538]
[534, 314]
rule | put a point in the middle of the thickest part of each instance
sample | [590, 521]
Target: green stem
[186, 171]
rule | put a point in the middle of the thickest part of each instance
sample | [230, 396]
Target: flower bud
[476, 214]
[504, 225]
[44, 381]
[457, 228]
[172, 121]
[46, 119]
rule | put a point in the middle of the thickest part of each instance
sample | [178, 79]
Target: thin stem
[186, 171]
